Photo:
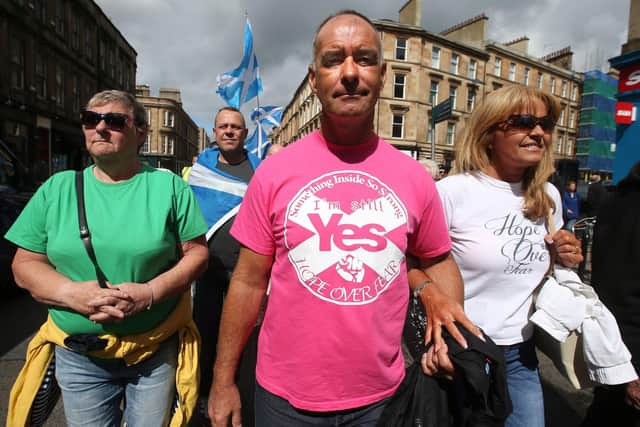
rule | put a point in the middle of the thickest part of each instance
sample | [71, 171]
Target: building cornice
[532, 60]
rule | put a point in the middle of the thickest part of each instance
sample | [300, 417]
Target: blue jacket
[570, 201]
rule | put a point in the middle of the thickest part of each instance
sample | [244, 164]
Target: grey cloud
[185, 44]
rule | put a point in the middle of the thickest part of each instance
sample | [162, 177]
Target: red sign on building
[629, 79]
[625, 113]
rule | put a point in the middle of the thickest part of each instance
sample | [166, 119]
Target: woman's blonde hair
[474, 153]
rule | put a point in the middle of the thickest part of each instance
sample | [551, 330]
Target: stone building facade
[425, 69]
[56, 54]
[173, 138]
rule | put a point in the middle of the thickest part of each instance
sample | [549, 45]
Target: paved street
[21, 316]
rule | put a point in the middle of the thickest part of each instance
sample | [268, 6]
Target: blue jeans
[524, 386]
[93, 389]
[274, 411]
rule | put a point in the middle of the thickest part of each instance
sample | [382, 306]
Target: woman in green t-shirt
[147, 233]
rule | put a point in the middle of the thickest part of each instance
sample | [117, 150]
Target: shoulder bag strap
[552, 253]
[85, 235]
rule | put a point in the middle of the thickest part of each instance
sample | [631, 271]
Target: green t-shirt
[136, 228]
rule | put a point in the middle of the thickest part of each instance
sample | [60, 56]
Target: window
[102, 54]
[147, 143]
[397, 128]
[561, 119]
[148, 117]
[451, 133]
[59, 85]
[40, 7]
[512, 71]
[572, 117]
[75, 32]
[167, 144]
[41, 76]
[574, 92]
[473, 65]
[88, 40]
[539, 82]
[168, 120]
[398, 86]
[111, 62]
[471, 99]
[553, 85]
[454, 63]
[559, 144]
[60, 17]
[497, 70]
[401, 49]
[433, 93]
[75, 93]
[430, 134]
[17, 64]
[435, 57]
[527, 72]
[452, 94]
[569, 148]
[563, 90]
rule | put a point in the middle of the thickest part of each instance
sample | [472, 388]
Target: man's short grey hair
[125, 99]
[314, 50]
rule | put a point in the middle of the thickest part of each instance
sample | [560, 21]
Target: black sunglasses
[115, 121]
[528, 121]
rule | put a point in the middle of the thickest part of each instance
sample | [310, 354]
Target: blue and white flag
[258, 142]
[218, 193]
[241, 84]
[268, 116]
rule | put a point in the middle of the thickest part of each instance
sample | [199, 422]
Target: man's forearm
[239, 315]
[443, 272]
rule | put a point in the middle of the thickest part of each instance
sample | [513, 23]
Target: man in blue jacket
[219, 180]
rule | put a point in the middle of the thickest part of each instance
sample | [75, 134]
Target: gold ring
[575, 249]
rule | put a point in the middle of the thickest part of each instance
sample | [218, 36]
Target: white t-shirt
[501, 254]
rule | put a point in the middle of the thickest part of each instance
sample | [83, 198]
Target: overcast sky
[185, 43]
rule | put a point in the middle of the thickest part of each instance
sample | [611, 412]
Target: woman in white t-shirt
[495, 205]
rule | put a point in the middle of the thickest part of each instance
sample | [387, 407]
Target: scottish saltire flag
[258, 142]
[218, 193]
[268, 116]
[242, 84]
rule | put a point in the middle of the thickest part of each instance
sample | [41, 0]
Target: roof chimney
[411, 13]
[633, 39]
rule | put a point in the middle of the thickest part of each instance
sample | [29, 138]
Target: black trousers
[210, 291]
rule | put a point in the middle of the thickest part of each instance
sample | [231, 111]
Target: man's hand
[224, 405]
[632, 394]
[437, 362]
[567, 247]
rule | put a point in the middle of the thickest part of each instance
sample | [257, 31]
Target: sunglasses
[115, 121]
[529, 122]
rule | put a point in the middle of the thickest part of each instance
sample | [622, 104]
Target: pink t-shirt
[338, 221]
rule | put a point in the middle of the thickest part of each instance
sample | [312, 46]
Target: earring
[490, 147]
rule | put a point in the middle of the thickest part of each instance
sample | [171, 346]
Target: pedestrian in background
[570, 205]
[616, 278]
[219, 180]
[596, 194]
[432, 167]
[118, 344]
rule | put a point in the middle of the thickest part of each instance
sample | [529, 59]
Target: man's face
[348, 73]
[230, 131]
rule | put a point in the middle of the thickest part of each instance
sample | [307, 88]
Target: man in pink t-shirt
[328, 221]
